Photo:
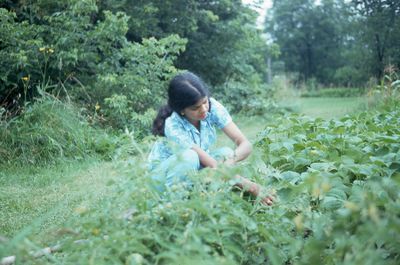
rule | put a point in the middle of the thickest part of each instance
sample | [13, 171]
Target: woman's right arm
[243, 183]
[205, 159]
[179, 135]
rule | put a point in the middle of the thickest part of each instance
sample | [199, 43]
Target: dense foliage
[90, 51]
[67, 54]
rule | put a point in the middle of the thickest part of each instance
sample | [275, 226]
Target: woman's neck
[195, 123]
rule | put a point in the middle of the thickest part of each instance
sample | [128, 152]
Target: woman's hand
[243, 146]
[266, 199]
[256, 190]
[229, 162]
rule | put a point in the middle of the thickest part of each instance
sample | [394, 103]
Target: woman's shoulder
[214, 101]
[172, 120]
[217, 105]
[219, 114]
[174, 123]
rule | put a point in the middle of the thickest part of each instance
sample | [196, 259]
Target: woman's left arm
[243, 146]
[242, 151]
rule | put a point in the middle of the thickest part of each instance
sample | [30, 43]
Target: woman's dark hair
[184, 90]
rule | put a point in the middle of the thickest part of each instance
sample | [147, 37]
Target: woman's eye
[198, 107]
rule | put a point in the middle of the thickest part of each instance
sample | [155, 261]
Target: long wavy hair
[184, 90]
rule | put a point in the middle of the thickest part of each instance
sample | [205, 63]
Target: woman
[188, 124]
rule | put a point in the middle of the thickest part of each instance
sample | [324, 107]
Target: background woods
[120, 54]
[335, 41]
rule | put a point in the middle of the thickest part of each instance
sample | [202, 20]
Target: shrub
[247, 96]
[349, 76]
[83, 55]
[21, 60]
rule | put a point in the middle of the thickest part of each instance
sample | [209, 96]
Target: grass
[324, 107]
[321, 107]
[42, 199]
[250, 126]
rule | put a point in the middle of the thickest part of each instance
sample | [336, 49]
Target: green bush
[347, 174]
[142, 75]
[247, 96]
[21, 61]
[349, 76]
[71, 55]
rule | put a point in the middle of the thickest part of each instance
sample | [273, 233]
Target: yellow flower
[97, 107]
[42, 49]
[25, 78]
[298, 221]
[50, 50]
[81, 210]
[351, 206]
[185, 215]
[95, 231]
[326, 187]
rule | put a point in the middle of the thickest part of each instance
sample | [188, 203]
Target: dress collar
[186, 124]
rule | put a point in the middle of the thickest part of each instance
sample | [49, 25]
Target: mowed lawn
[35, 200]
[326, 108]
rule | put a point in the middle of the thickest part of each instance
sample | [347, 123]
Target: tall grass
[46, 131]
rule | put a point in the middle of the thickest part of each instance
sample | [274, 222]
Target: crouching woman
[188, 125]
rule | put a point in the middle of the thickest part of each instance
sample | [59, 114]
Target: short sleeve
[176, 133]
[219, 114]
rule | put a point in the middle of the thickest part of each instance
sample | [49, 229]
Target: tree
[157, 18]
[226, 44]
[379, 22]
[221, 34]
[309, 36]
[223, 46]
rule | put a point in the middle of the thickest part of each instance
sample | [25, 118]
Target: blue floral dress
[180, 136]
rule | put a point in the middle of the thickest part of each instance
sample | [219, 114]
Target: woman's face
[197, 112]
